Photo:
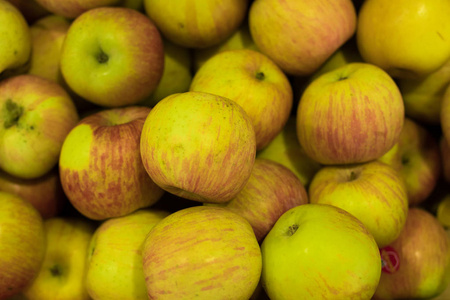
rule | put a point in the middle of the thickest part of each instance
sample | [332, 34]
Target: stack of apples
[235, 150]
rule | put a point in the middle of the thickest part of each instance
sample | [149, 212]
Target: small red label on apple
[390, 260]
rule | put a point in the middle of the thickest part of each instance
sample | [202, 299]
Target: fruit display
[224, 149]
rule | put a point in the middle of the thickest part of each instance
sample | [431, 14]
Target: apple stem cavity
[13, 113]
[353, 176]
[56, 271]
[102, 57]
[292, 229]
[260, 76]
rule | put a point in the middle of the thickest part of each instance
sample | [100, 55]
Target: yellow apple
[406, 38]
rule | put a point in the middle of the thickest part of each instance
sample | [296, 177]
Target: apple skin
[44, 193]
[444, 151]
[416, 156]
[72, 9]
[271, 190]
[253, 81]
[202, 252]
[392, 35]
[373, 192]
[423, 252]
[445, 114]
[37, 114]
[22, 244]
[63, 271]
[197, 24]
[100, 164]
[15, 44]
[112, 56]
[300, 36]
[319, 251]
[115, 261]
[199, 146]
[286, 150]
[352, 114]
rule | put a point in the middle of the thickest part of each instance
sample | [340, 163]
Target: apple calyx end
[13, 113]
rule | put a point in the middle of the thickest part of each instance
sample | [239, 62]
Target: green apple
[199, 146]
[373, 192]
[319, 251]
[393, 35]
[177, 75]
[197, 24]
[74, 8]
[417, 263]
[253, 81]
[112, 56]
[63, 271]
[417, 158]
[115, 260]
[36, 115]
[202, 252]
[271, 190]
[300, 36]
[352, 114]
[15, 42]
[45, 193]
[100, 164]
[22, 244]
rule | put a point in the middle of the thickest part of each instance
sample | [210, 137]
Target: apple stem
[13, 113]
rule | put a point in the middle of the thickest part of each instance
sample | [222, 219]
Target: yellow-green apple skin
[253, 81]
[445, 114]
[30, 9]
[15, 44]
[177, 74]
[36, 115]
[422, 252]
[112, 56]
[319, 251]
[352, 114]
[115, 262]
[72, 9]
[300, 36]
[45, 193]
[47, 37]
[202, 252]
[423, 96]
[63, 271]
[392, 35]
[100, 164]
[416, 156]
[197, 24]
[373, 192]
[22, 244]
[240, 39]
[271, 190]
[199, 146]
[286, 150]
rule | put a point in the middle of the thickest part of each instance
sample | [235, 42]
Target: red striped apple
[100, 164]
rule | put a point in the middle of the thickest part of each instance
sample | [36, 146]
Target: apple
[445, 114]
[253, 81]
[15, 44]
[271, 190]
[30, 9]
[74, 8]
[201, 252]
[319, 251]
[112, 56]
[199, 146]
[286, 150]
[392, 35]
[299, 36]
[443, 211]
[444, 151]
[352, 114]
[423, 96]
[197, 24]
[416, 156]
[114, 268]
[37, 114]
[177, 74]
[417, 263]
[373, 192]
[63, 271]
[240, 39]
[45, 193]
[100, 164]
[22, 244]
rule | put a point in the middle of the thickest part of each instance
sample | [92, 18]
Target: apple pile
[235, 150]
